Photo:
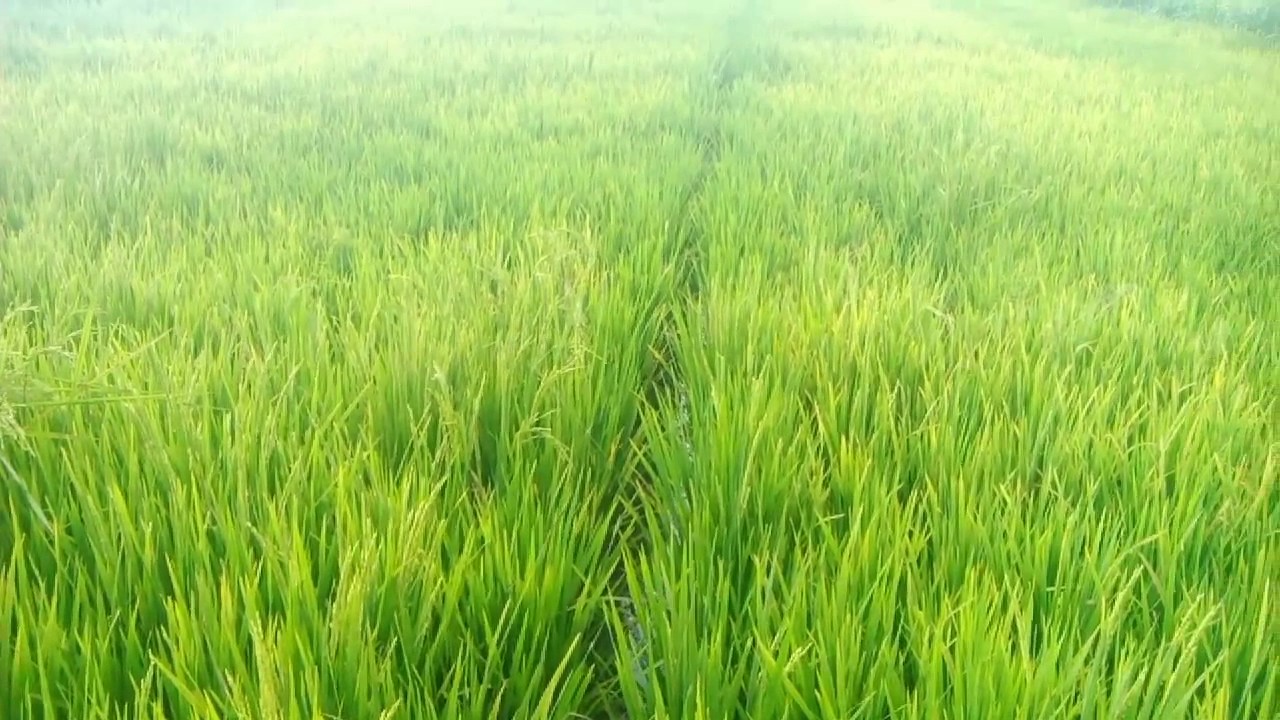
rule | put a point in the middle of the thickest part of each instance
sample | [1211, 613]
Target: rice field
[569, 359]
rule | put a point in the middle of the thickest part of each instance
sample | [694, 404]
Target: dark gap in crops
[665, 384]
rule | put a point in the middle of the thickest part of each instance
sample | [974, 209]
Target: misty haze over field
[639, 359]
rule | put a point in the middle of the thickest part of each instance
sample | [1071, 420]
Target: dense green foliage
[1258, 15]
[799, 359]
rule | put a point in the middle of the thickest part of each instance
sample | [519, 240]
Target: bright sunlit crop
[767, 359]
